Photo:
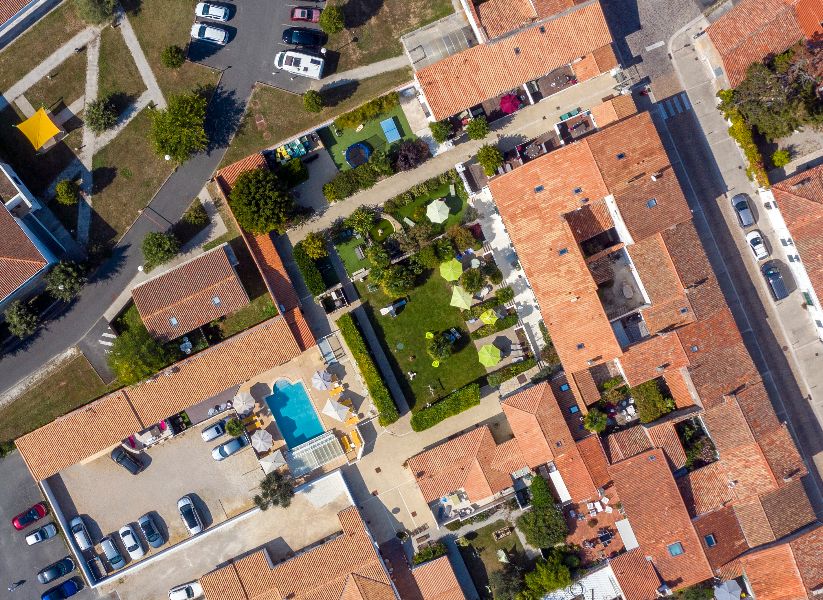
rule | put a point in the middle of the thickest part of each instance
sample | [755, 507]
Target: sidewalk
[364, 72]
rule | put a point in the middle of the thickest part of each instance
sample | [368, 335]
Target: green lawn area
[118, 73]
[261, 306]
[377, 26]
[42, 40]
[371, 133]
[480, 555]
[274, 115]
[427, 310]
[67, 84]
[72, 385]
[346, 251]
[416, 209]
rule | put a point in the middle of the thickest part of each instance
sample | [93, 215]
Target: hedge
[349, 182]
[453, 404]
[308, 269]
[741, 133]
[392, 205]
[513, 370]
[428, 553]
[499, 325]
[478, 309]
[377, 389]
[368, 111]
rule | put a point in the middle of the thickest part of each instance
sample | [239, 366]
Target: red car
[311, 15]
[26, 518]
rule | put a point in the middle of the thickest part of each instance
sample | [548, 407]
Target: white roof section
[559, 485]
[597, 585]
[315, 453]
[626, 532]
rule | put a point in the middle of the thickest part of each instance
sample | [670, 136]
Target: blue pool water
[293, 411]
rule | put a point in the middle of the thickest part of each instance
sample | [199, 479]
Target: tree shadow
[358, 12]
[337, 93]
[223, 117]
[132, 7]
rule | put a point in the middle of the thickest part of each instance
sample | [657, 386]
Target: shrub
[453, 404]
[428, 257]
[472, 280]
[444, 249]
[135, 355]
[614, 390]
[499, 325]
[173, 57]
[179, 131]
[65, 280]
[101, 114]
[276, 489]
[347, 183]
[430, 552]
[196, 215]
[259, 202]
[95, 11]
[650, 400]
[493, 272]
[490, 158]
[411, 154]
[292, 173]
[595, 421]
[507, 582]
[374, 382]
[158, 248]
[424, 188]
[782, 157]
[478, 309]
[549, 574]
[544, 525]
[396, 280]
[361, 220]
[441, 130]
[505, 294]
[308, 269]
[21, 320]
[477, 128]
[510, 372]
[369, 110]
[332, 20]
[314, 245]
[313, 101]
[461, 237]
[740, 131]
[439, 347]
[234, 427]
[67, 192]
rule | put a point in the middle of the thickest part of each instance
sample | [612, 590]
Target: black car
[302, 36]
[775, 280]
[56, 571]
[127, 460]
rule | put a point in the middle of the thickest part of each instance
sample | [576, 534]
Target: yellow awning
[38, 129]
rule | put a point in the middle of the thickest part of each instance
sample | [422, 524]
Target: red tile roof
[729, 542]
[788, 509]
[186, 294]
[627, 442]
[664, 436]
[753, 521]
[462, 80]
[705, 489]
[772, 574]
[808, 555]
[592, 453]
[636, 576]
[274, 273]
[9, 8]
[227, 176]
[502, 16]
[20, 260]
[653, 357]
[650, 498]
[436, 580]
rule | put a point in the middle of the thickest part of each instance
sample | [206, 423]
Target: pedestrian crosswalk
[674, 105]
[107, 338]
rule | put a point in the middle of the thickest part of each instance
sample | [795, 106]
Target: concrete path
[102, 140]
[139, 58]
[89, 146]
[71, 111]
[364, 72]
[24, 105]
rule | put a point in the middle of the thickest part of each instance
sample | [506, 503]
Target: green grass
[274, 115]
[67, 84]
[346, 252]
[118, 73]
[381, 230]
[371, 133]
[72, 385]
[261, 306]
[416, 209]
[427, 310]
[480, 555]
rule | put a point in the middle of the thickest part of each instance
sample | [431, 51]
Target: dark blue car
[67, 589]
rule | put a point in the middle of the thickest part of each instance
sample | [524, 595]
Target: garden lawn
[70, 386]
[371, 133]
[378, 27]
[118, 73]
[427, 310]
[281, 115]
[350, 260]
[480, 555]
[456, 207]
[261, 306]
[67, 84]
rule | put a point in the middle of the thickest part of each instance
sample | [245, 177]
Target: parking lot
[108, 496]
[255, 30]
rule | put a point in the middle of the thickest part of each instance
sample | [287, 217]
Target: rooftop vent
[542, 29]
[517, 50]
[581, 345]
[538, 189]
[621, 155]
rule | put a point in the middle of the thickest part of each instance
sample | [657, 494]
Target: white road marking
[655, 46]
[105, 343]
[109, 335]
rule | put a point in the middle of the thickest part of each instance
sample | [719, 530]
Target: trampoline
[358, 154]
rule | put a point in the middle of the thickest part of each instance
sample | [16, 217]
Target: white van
[80, 533]
[300, 63]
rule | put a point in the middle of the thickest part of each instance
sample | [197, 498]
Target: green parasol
[489, 355]
[451, 270]
[461, 298]
[489, 317]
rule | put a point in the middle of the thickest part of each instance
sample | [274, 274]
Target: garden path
[364, 72]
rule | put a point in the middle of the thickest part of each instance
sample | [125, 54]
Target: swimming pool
[293, 411]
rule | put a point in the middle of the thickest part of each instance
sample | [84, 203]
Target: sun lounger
[347, 447]
[355, 437]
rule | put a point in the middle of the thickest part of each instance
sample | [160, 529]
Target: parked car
[209, 33]
[149, 529]
[46, 532]
[742, 207]
[190, 516]
[131, 542]
[775, 281]
[210, 10]
[56, 570]
[127, 460]
[187, 591]
[67, 589]
[755, 240]
[300, 63]
[112, 553]
[302, 36]
[26, 518]
[214, 431]
[306, 13]
[80, 533]
[226, 449]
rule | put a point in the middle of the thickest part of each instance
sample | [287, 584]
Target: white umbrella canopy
[321, 380]
[261, 440]
[272, 461]
[336, 410]
[437, 211]
[728, 590]
[243, 403]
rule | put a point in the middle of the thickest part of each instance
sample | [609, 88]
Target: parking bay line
[655, 46]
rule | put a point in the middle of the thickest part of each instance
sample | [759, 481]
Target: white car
[187, 591]
[758, 246]
[208, 10]
[209, 33]
[190, 516]
[131, 542]
[46, 532]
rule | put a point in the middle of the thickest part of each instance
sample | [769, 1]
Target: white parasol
[336, 410]
[243, 403]
[261, 440]
[322, 380]
[272, 461]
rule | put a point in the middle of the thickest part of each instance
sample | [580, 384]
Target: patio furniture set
[294, 149]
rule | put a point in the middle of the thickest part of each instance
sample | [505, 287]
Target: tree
[397, 280]
[506, 583]
[95, 11]
[650, 401]
[441, 130]
[411, 154]
[490, 158]
[768, 102]
[782, 157]
[135, 356]
[65, 280]
[313, 101]
[314, 245]
[259, 202]
[21, 319]
[332, 20]
[234, 427]
[477, 128]
[549, 574]
[101, 114]
[505, 294]
[173, 57]
[544, 525]
[439, 347]
[595, 421]
[461, 237]
[67, 192]
[179, 131]
[378, 256]
[158, 248]
[493, 272]
[361, 220]
[472, 280]
[276, 489]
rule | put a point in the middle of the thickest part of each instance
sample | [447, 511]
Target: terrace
[619, 288]
[556, 81]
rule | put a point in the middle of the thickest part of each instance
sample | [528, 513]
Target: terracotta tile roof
[274, 273]
[9, 8]
[300, 329]
[20, 260]
[757, 409]
[483, 71]
[679, 388]
[586, 68]
[636, 576]
[223, 584]
[808, 555]
[186, 294]
[627, 443]
[607, 60]
[753, 521]
[788, 509]
[79, 434]
[639, 480]
[664, 436]
[502, 16]
[575, 475]
[747, 467]
[589, 220]
[584, 387]
[772, 574]
[782, 455]
[592, 453]
[705, 489]
[227, 176]
[728, 426]
[604, 113]
[729, 542]
[641, 361]
[537, 424]
[436, 580]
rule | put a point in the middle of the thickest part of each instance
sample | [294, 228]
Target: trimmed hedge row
[428, 553]
[478, 309]
[308, 269]
[453, 404]
[513, 370]
[499, 325]
[368, 111]
[377, 389]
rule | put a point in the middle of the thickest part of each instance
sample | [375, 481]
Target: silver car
[113, 555]
[214, 431]
[131, 542]
[149, 529]
[741, 203]
[226, 449]
[210, 10]
[209, 33]
[758, 246]
[46, 532]
[190, 516]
